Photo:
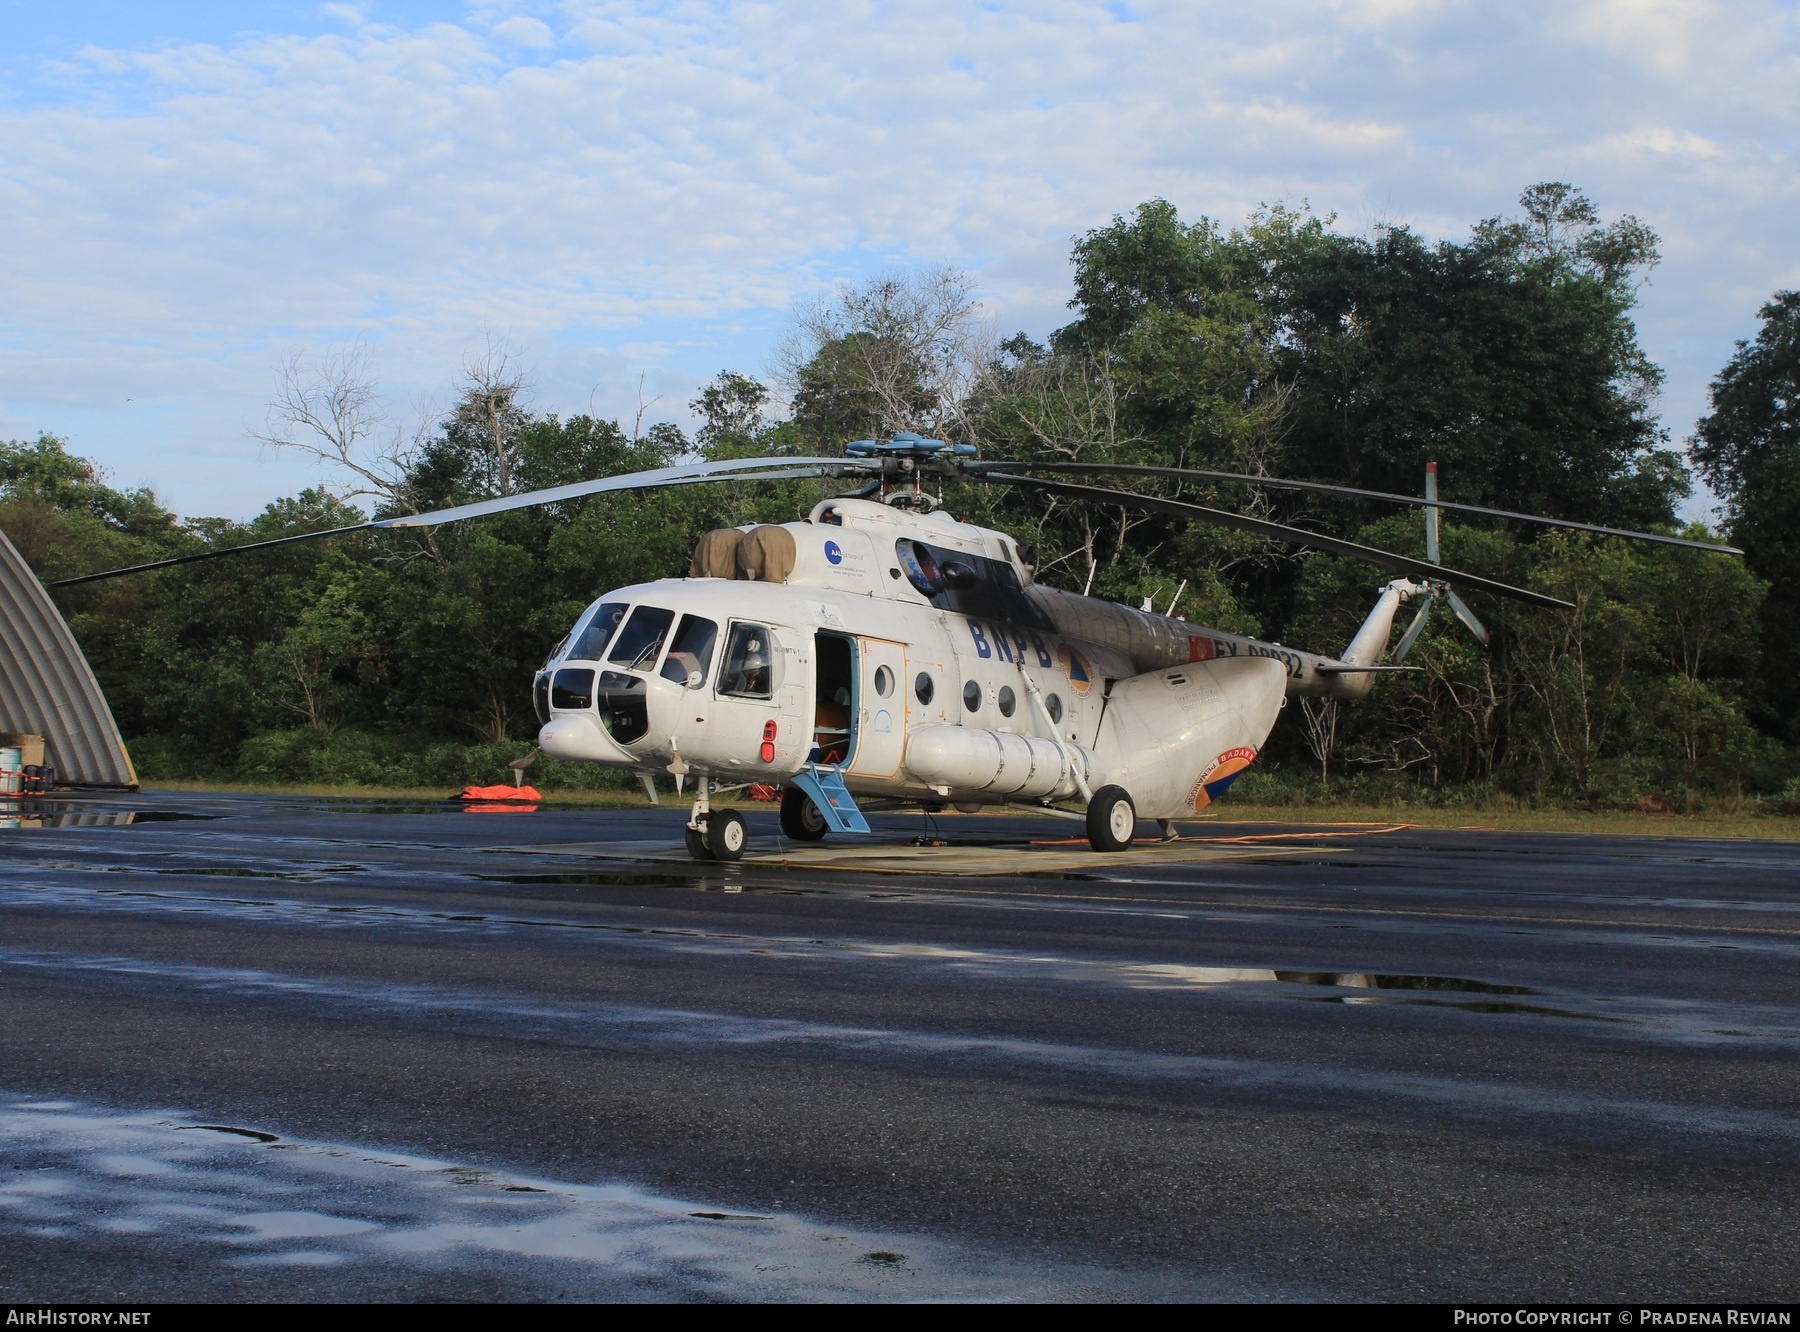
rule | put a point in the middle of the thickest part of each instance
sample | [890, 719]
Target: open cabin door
[834, 696]
[880, 708]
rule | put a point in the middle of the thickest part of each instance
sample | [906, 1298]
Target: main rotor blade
[736, 469]
[1280, 531]
[1323, 488]
[220, 553]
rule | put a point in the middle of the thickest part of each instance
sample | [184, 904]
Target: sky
[636, 195]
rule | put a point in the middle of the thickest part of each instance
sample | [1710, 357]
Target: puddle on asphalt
[1526, 1010]
[1654, 1017]
[143, 863]
[249, 1198]
[308, 874]
[1384, 981]
[31, 814]
[598, 879]
[718, 881]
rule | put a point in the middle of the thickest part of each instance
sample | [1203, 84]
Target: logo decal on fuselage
[1074, 665]
[834, 552]
[1217, 779]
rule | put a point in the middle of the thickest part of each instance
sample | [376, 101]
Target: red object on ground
[493, 793]
[763, 791]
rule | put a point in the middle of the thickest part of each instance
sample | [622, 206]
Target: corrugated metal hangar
[47, 687]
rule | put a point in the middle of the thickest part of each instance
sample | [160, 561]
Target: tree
[483, 427]
[328, 407]
[897, 352]
[1748, 450]
[1510, 359]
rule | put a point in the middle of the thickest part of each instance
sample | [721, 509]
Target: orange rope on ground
[1368, 830]
[1284, 837]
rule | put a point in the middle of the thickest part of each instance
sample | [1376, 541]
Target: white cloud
[654, 192]
[522, 31]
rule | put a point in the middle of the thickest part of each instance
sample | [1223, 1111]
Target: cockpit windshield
[690, 652]
[593, 634]
[642, 638]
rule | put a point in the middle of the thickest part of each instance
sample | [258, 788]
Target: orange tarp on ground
[528, 793]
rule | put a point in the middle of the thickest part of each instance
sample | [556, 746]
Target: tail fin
[1370, 643]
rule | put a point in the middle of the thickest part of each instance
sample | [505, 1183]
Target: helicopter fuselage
[910, 655]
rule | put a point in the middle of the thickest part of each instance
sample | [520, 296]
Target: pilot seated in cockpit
[755, 670]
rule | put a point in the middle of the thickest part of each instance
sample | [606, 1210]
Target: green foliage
[1509, 359]
[1748, 449]
[1637, 693]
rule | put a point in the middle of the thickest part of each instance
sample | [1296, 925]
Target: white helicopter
[881, 650]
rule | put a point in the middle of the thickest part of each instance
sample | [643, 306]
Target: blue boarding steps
[833, 798]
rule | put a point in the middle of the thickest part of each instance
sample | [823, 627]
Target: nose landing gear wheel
[726, 835]
[696, 844]
[1111, 819]
[800, 818]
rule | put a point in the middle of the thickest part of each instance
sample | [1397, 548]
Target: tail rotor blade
[1467, 616]
[1413, 630]
[1431, 514]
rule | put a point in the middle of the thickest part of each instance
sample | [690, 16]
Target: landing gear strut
[714, 834]
[1111, 819]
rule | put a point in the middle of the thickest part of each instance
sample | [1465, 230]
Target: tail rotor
[1436, 590]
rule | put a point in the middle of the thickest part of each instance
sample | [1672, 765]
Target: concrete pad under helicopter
[881, 650]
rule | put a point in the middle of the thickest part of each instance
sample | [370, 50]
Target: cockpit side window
[642, 638]
[749, 670]
[591, 637]
[690, 652]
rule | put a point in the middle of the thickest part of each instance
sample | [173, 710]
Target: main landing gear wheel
[696, 844]
[726, 835]
[1111, 819]
[801, 820]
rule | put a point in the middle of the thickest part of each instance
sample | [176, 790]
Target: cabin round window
[1053, 705]
[884, 681]
[1008, 701]
[924, 688]
[972, 696]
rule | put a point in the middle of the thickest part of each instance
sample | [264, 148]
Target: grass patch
[1622, 823]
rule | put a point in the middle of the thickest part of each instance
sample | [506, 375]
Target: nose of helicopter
[579, 735]
[621, 719]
